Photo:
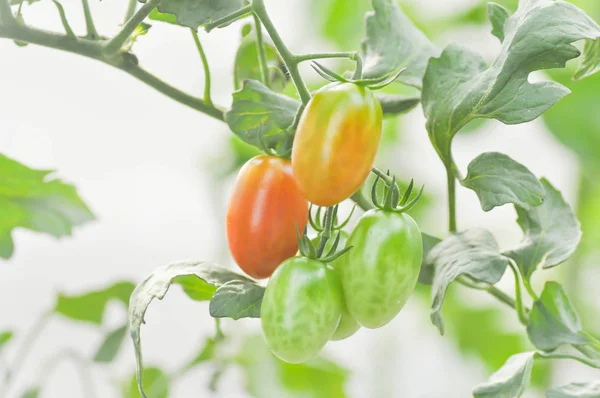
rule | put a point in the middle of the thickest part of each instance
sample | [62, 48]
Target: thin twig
[92, 33]
[207, 97]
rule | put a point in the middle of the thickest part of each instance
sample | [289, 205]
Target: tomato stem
[207, 97]
[260, 50]
[227, 19]
[584, 361]
[451, 199]
[327, 227]
[113, 46]
[92, 33]
[523, 318]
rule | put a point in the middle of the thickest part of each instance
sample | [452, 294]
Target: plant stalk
[260, 50]
[227, 19]
[113, 46]
[92, 33]
[207, 97]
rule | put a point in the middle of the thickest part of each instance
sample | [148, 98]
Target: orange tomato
[264, 209]
[336, 142]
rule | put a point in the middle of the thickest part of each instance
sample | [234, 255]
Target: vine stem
[92, 33]
[131, 7]
[6, 15]
[24, 350]
[113, 46]
[94, 49]
[207, 97]
[451, 199]
[584, 361]
[326, 234]
[523, 318]
[260, 50]
[258, 6]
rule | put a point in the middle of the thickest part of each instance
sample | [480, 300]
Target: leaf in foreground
[393, 42]
[35, 200]
[552, 233]
[510, 381]
[553, 321]
[193, 13]
[237, 299]
[497, 180]
[475, 253]
[157, 285]
[459, 86]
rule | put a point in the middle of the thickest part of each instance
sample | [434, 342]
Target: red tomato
[264, 208]
[336, 142]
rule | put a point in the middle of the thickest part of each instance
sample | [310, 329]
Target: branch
[6, 15]
[113, 46]
[63, 19]
[94, 49]
[92, 33]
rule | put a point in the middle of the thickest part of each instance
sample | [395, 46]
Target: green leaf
[474, 253]
[156, 382]
[257, 111]
[237, 299]
[89, 307]
[31, 393]
[247, 66]
[591, 60]
[111, 345]
[551, 230]
[498, 16]
[197, 289]
[497, 180]
[268, 377]
[193, 13]
[553, 322]
[427, 270]
[392, 42]
[206, 353]
[33, 199]
[156, 15]
[576, 390]
[156, 286]
[5, 338]
[510, 381]
[459, 87]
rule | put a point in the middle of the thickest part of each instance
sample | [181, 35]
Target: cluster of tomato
[313, 298]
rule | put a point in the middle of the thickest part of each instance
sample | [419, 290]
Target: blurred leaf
[553, 322]
[237, 299]
[206, 353]
[576, 390]
[510, 381]
[156, 383]
[498, 16]
[89, 307]
[247, 67]
[392, 42]
[578, 113]
[193, 13]
[5, 338]
[268, 377]
[197, 289]
[551, 230]
[31, 393]
[35, 200]
[426, 273]
[473, 252]
[156, 286]
[257, 111]
[497, 180]
[241, 152]
[340, 23]
[397, 104]
[156, 15]
[111, 345]
[591, 60]
[459, 87]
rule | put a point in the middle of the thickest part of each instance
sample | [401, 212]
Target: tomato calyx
[283, 148]
[308, 250]
[319, 226]
[372, 83]
[392, 200]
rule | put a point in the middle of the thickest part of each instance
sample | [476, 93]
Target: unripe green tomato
[301, 308]
[348, 325]
[381, 271]
[336, 142]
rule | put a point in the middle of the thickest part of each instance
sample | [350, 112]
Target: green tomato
[381, 271]
[301, 308]
[348, 325]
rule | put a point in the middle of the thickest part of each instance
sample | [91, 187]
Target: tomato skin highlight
[380, 272]
[301, 308]
[336, 142]
[348, 325]
[264, 208]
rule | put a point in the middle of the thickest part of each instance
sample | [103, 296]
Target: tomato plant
[363, 273]
[264, 211]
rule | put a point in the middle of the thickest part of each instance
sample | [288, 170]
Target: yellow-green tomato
[301, 308]
[336, 142]
[348, 325]
[380, 272]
